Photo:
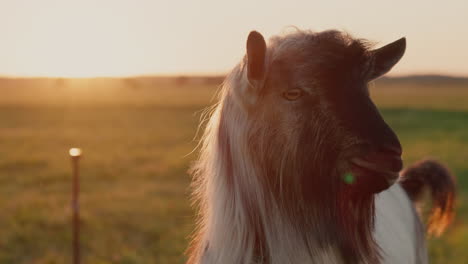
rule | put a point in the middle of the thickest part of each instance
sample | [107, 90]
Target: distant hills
[425, 79]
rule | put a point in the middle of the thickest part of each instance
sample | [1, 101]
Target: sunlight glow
[89, 38]
[73, 39]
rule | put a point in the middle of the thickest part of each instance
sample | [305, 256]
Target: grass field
[137, 136]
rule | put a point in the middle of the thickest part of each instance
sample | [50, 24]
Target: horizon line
[199, 75]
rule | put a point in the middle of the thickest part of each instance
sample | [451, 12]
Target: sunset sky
[85, 38]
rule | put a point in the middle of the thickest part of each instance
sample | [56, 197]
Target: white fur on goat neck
[400, 242]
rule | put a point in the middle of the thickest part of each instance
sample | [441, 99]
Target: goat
[298, 166]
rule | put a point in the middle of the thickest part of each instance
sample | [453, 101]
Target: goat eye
[293, 94]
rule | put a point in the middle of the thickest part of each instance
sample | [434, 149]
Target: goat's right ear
[256, 52]
[386, 57]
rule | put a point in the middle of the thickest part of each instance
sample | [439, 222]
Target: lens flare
[349, 178]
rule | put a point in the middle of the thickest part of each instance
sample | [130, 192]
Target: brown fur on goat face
[313, 89]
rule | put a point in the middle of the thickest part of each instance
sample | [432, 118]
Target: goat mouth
[376, 173]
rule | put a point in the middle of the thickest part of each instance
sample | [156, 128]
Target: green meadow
[137, 137]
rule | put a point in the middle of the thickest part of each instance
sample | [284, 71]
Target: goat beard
[313, 196]
[339, 214]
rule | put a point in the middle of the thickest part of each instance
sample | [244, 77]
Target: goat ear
[256, 50]
[386, 57]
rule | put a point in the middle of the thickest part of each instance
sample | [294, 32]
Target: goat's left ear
[256, 51]
[386, 57]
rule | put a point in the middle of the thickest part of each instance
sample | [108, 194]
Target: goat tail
[434, 177]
